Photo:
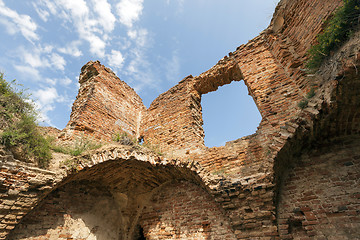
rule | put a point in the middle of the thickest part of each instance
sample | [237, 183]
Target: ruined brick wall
[173, 122]
[104, 106]
[293, 30]
[271, 66]
[320, 194]
[21, 187]
[184, 211]
[258, 186]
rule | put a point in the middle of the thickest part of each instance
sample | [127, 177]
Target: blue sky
[150, 44]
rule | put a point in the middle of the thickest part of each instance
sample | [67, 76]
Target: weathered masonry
[296, 177]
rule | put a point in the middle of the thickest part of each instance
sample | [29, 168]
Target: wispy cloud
[140, 71]
[140, 36]
[173, 67]
[28, 72]
[180, 5]
[62, 81]
[57, 61]
[18, 23]
[43, 14]
[93, 21]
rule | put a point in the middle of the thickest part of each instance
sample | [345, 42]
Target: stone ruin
[296, 177]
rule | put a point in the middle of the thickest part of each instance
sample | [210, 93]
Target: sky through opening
[229, 113]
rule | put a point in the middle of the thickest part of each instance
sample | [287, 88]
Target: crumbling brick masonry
[296, 177]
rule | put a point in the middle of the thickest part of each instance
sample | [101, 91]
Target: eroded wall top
[105, 105]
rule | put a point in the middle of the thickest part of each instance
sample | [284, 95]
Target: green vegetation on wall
[338, 29]
[81, 145]
[18, 123]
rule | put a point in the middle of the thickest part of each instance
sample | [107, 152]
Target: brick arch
[106, 178]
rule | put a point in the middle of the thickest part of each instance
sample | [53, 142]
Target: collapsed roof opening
[228, 114]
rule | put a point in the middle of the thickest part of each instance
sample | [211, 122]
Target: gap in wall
[228, 114]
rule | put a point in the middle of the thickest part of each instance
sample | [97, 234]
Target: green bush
[19, 117]
[338, 29]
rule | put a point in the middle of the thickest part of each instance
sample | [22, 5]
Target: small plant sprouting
[124, 139]
[303, 103]
[311, 93]
[338, 29]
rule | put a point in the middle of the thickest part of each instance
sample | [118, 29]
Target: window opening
[228, 114]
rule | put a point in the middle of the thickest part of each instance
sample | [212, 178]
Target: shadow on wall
[79, 210]
[320, 194]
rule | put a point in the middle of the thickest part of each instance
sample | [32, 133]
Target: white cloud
[22, 23]
[45, 100]
[71, 49]
[45, 6]
[142, 37]
[132, 34]
[116, 59]
[10, 27]
[33, 59]
[129, 11]
[51, 81]
[38, 57]
[94, 21]
[46, 96]
[78, 8]
[106, 18]
[97, 45]
[57, 61]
